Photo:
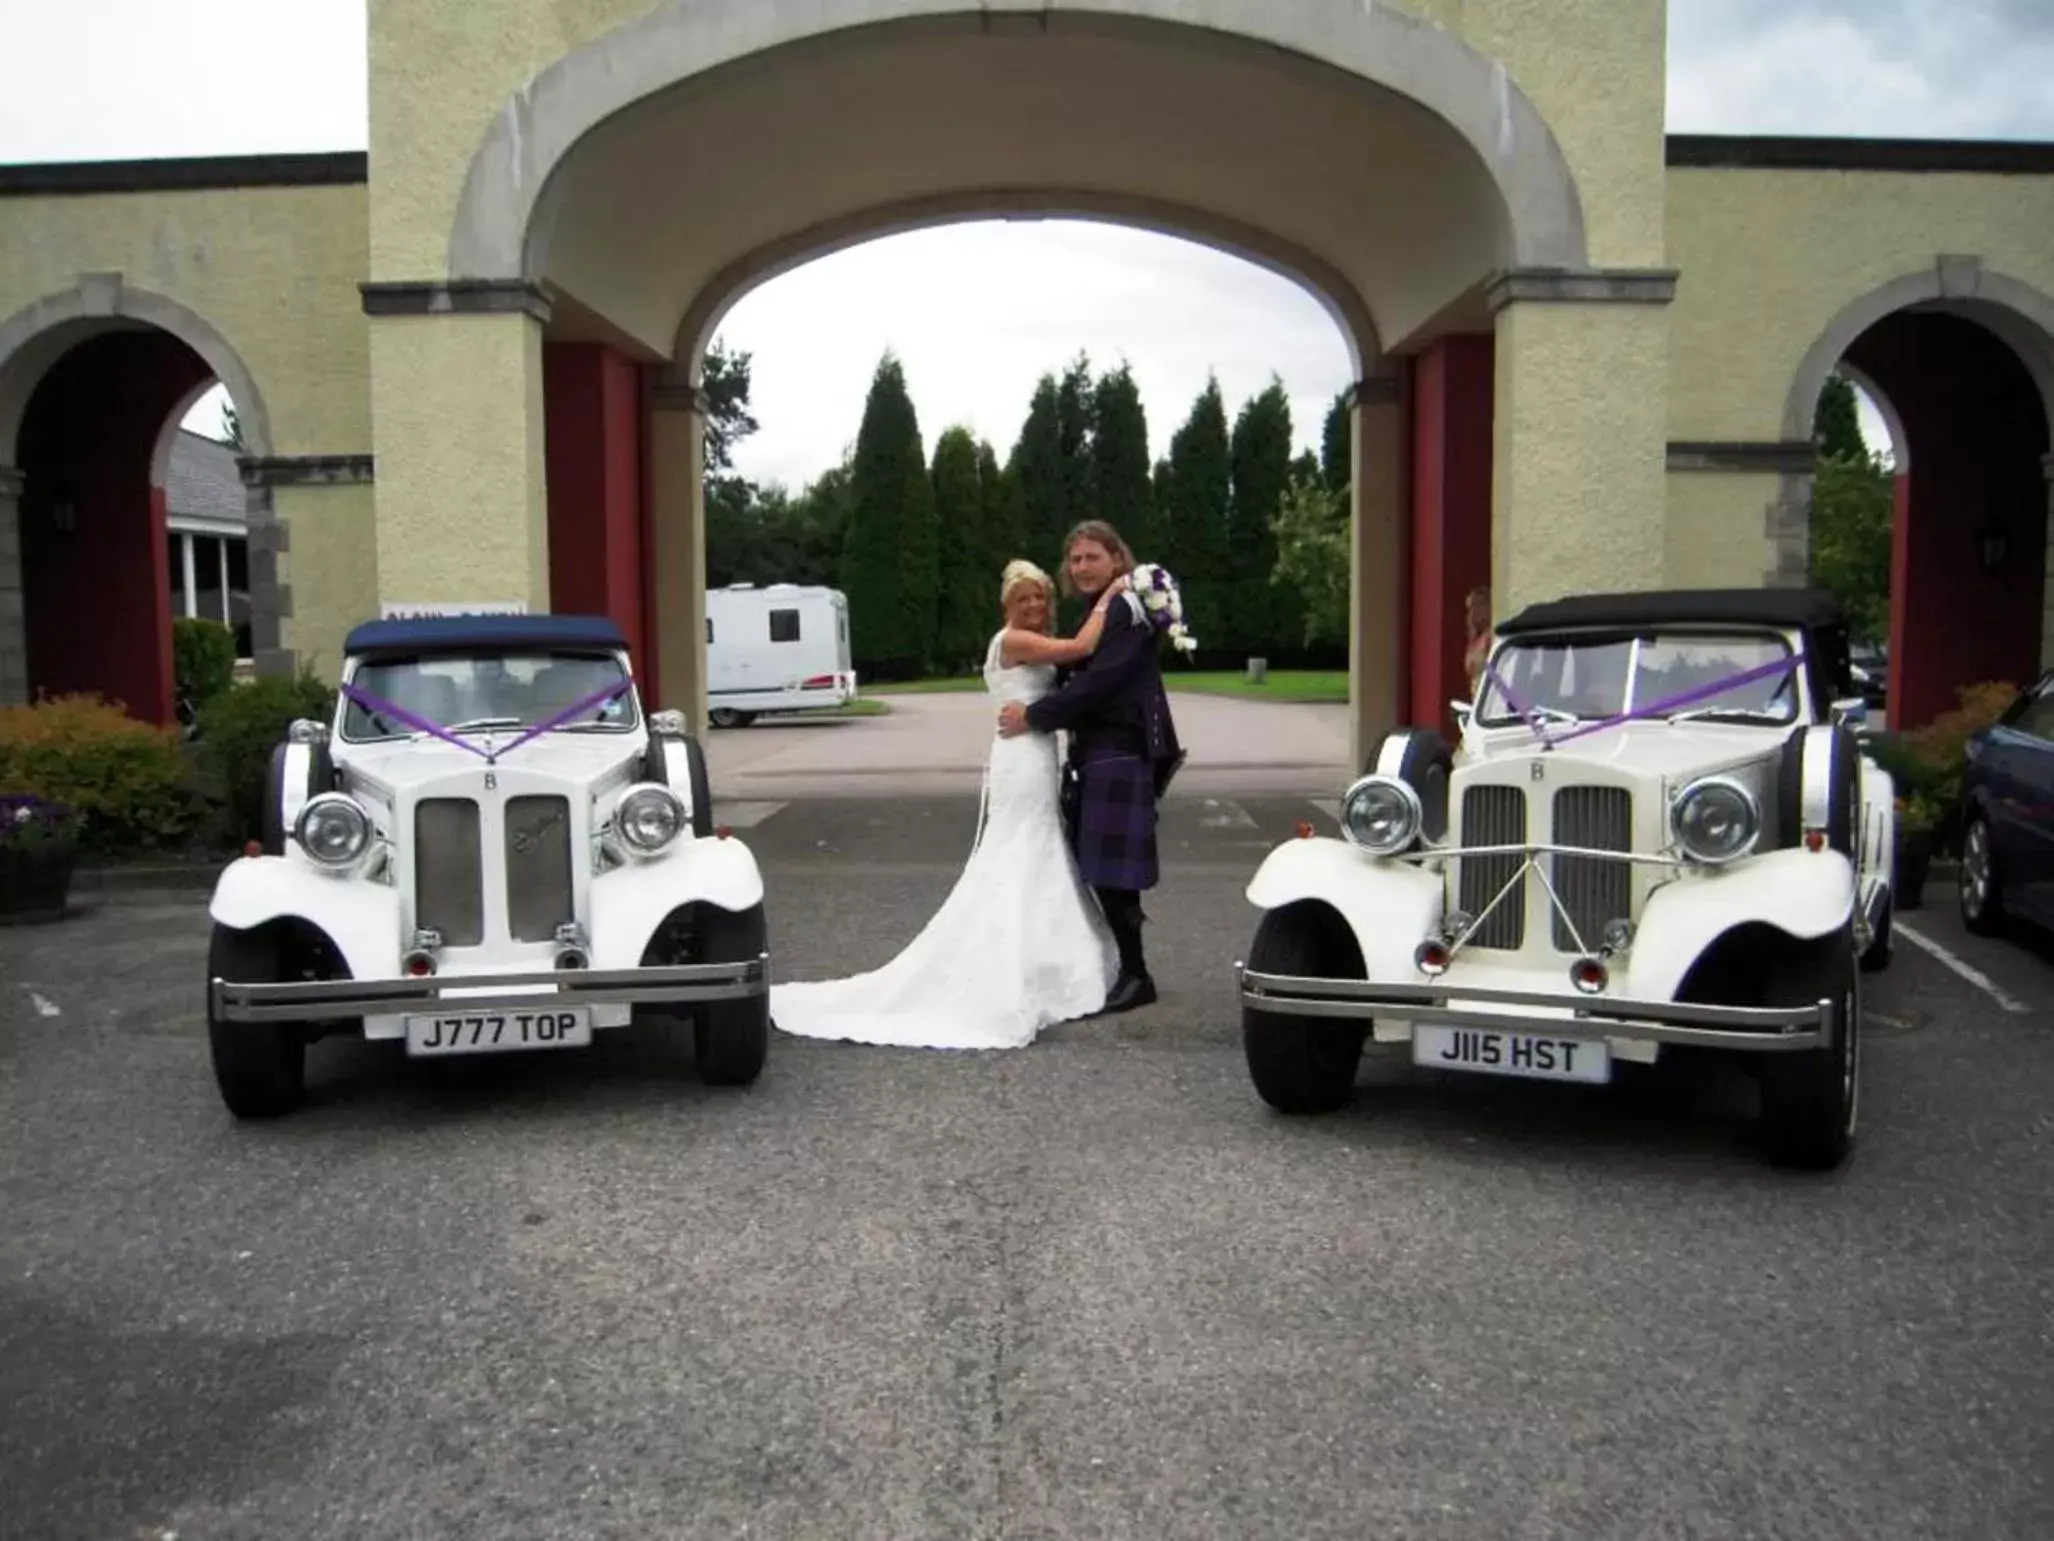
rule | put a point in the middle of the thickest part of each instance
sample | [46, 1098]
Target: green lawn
[1282, 684]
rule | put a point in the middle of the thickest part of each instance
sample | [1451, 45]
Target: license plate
[1534, 1055]
[488, 1032]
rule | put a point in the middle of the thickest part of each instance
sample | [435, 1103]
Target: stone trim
[186, 173]
[671, 392]
[1589, 286]
[305, 470]
[456, 296]
[1804, 153]
[1376, 391]
[1774, 456]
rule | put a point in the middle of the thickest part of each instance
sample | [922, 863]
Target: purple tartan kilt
[1110, 809]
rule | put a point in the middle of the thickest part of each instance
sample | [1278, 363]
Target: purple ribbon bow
[383, 708]
[1660, 708]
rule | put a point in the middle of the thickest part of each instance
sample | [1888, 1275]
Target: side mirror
[1463, 711]
[1853, 711]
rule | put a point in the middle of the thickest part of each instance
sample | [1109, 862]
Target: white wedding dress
[1018, 944]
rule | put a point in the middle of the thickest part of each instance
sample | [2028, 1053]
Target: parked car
[1656, 833]
[490, 847]
[782, 648]
[1869, 674]
[2007, 816]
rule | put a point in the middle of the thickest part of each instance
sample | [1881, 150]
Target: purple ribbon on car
[1661, 708]
[382, 708]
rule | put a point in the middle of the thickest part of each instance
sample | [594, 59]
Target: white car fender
[359, 916]
[1391, 906]
[629, 903]
[1807, 894]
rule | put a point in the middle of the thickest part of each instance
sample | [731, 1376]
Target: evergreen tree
[1336, 444]
[1312, 559]
[1119, 460]
[962, 607]
[1262, 615]
[1005, 518]
[1159, 535]
[1200, 490]
[890, 559]
[1836, 424]
[1038, 463]
[1074, 415]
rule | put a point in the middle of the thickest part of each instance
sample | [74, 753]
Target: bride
[1019, 943]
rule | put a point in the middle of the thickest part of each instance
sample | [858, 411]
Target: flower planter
[35, 881]
[1914, 860]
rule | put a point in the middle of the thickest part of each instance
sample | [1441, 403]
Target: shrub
[202, 659]
[125, 778]
[238, 731]
[28, 821]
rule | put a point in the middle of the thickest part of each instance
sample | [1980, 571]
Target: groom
[1123, 751]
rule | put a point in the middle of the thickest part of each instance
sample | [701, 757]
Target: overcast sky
[103, 79]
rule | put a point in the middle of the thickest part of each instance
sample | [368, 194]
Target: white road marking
[1973, 975]
[1220, 814]
[45, 1007]
[744, 815]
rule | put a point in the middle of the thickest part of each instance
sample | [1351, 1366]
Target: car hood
[579, 757]
[1673, 752]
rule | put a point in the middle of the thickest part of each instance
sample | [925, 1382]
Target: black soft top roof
[1809, 609]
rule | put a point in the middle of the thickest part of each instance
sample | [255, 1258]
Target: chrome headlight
[1715, 821]
[1381, 814]
[333, 829]
[649, 818]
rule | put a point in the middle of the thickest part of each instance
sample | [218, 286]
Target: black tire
[728, 717]
[260, 1067]
[1303, 1065]
[1425, 763]
[1981, 887]
[1811, 1100]
[732, 1038]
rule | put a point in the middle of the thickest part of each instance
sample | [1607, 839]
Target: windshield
[471, 692]
[1591, 677]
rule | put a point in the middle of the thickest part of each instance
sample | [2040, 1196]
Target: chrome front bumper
[687, 984]
[1749, 1029]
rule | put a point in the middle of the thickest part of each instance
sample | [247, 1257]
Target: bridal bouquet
[1157, 591]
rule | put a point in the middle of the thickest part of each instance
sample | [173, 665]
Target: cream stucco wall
[274, 270]
[1768, 258]
[332, 569]
[1716, 533]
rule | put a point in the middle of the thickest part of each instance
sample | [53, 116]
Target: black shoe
[1129, 992]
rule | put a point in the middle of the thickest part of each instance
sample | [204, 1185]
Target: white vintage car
[1657, 833]
[490, 848]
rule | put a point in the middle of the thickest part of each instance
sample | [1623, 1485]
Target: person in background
[1476, 611]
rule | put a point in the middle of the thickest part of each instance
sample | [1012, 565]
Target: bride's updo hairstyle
[1019, 574]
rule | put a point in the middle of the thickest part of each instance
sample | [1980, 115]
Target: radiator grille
[449, 894]
[1493, 816]
[1591, 889]
[538, 867]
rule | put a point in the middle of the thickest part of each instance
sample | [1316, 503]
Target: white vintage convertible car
[490, 848]
[1656, 833]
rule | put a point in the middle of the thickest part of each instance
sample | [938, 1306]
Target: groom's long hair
[1099, 531]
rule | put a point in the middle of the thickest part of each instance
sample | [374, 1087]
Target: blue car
[2007, 835]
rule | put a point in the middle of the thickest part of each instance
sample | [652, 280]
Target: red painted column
[95, 567]
[593, 442]
[1453, 399]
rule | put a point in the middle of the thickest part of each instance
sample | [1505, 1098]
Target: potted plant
[1917, 815]
[38, 849]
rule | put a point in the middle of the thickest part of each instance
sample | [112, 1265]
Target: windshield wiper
[479, 724]
[1745, 713]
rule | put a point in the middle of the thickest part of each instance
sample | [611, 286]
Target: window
[784, 625]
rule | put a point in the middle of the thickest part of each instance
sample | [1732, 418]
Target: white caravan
[784, 648]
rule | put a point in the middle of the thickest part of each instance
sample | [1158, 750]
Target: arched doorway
[631, 190]
[93, 385]
[1961, 364]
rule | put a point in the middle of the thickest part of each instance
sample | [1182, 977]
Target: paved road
[1092, 1288]
[934, 745]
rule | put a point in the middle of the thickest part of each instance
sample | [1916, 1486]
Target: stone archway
[1960, 360]
[54, 354]
[739, 137]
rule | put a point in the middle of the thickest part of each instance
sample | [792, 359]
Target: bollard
[1258, 670]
